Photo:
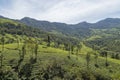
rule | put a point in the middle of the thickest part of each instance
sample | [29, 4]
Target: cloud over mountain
[68, 11]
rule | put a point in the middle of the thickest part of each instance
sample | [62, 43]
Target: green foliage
[88, 59]
[29, 53]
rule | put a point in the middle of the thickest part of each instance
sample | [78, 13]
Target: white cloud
[68, 11]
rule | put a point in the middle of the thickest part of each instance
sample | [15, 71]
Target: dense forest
[40, 50]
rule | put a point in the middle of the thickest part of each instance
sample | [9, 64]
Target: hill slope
[25, 53]
[79, 30]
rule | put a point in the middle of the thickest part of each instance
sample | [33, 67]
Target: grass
[45, 49]
[93, 37]
[48, 55]
[9, 21]
[86, 49]
[50, 50]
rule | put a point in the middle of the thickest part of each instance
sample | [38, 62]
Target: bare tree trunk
[3, 40]
[1, 59]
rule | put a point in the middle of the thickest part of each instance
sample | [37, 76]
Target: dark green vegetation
[31, 49]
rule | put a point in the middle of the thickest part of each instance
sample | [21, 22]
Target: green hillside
[55, 64]
[31, 53]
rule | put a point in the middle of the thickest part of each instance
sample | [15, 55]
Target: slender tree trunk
[18, 43]
[77, 54]
[36, 51]
[3, 40]
[88, 59]
[106, 61]
[69, 50]
[1, 59]
[3, 47]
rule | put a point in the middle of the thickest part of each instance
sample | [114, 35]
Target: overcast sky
[67, 11]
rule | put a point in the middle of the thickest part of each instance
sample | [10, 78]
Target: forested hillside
[40, 50]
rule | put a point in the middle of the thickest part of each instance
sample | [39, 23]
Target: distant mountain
[80, 30]
[102, 35]
[52, 27]
[13, 27]
[107, 23]
[45, 25]
[3, 17]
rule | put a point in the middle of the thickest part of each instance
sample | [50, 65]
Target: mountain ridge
[84, 23]
[80, 30]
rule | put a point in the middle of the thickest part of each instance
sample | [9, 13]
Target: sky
[66, 11]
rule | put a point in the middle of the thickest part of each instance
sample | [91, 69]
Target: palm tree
[3, 39]
[106, 55]
[88, 59]
[48, 41]
[96, 60]
[36, 50]
[3, 42]
[1, 60]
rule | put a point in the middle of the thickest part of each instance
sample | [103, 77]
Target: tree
[72, 49]
[96, 60]
[23, 51]
[1, 60]
[36, 50]
[26, 71]
[117, 56]
[17, 37]
[106, 55]
[69, 46]
[48, 40]
[3, 39]
[113, 55]
[30, 45]
[88, 59]
[3, 42]
[78, 50]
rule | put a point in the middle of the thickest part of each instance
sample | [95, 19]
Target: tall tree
[3, 39]
[106, 55]
[48, 40]
[3, 42]
[72, 49]
[96, 60]
[78, 49]
[36, 50]
[88, 59]
[69, 52]
[23, 51]
[1, 60]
